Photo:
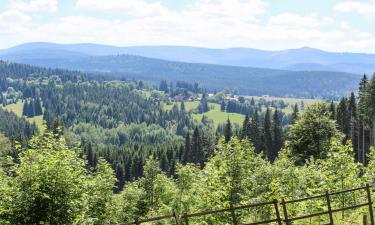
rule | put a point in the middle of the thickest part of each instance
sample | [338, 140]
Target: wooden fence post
[186, 219]
[285, 212]
[329, 208]
[364, 219]
[276, 205]
[176, 218]
[370, 204]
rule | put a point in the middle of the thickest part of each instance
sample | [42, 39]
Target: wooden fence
[276, 218]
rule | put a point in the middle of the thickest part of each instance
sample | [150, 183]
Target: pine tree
[245, 127]
[363, 119]
[267, 134]
[187, 151]
[277, 135]
[353, 123]
[164, 163]
[203, 106]
[254, 132]
[332, 110]
[25, 108]
[38, 107]
[343, 117]
[164, 86]
[197, 154]
[228, 133]
[31, 109]
[222, 106]
[294, 113]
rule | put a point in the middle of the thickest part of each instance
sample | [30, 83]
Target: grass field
[215, 114]
[17, 109]
[219, 117]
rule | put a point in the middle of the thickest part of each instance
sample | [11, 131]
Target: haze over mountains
[303, 72]
[292, 59]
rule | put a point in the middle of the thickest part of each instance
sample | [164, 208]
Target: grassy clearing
[17, 109]
[215, 114]
[219, 117]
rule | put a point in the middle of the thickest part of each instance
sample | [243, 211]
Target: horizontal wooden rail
[275, 204]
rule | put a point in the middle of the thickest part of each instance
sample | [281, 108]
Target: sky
[332, 25]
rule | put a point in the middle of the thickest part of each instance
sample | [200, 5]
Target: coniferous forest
[110, 152]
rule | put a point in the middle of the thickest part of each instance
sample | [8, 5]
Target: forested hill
[250, 81]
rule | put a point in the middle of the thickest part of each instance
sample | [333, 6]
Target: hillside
[299, 59]
[248, 81]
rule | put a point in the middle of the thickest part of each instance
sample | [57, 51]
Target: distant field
[306, 101]
[17, 109]
[290, 101]
[219, 117]
[215, 114]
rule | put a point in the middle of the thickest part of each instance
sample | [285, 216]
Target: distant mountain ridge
[246, 80]
[301, 59]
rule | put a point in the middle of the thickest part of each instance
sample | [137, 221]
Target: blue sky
[332, 25]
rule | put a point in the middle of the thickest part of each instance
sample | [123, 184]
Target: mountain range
[306, 59]
[303, 72]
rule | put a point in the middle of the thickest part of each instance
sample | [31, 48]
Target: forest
[109, 152]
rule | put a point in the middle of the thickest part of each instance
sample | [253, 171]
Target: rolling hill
[247, 80]
[301, 59]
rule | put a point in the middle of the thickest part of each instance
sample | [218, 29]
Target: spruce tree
[277, 135]
[254, 132]
[25, 108]
[186, 156]
[343, 117]
[245, 127]
[353, 123]
[267, 134]
[332, 110]
[38, 107]
[197, 154]
[228, 131]
[294, 113]
[222, 106]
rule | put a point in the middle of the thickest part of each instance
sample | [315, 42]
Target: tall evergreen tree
[197, 154]
[332, 110]
[255, 132]
[228, 133]
[222, 106]
[25, 108]
[38, 107]
[343, 117]
[267, 134]
[277, 135]
[363, 118]
[353, 123]
[245, 127]
[294, 113]
[187, 150]
[203, 105]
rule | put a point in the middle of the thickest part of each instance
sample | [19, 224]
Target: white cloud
[206, 23]
[34, 5]
[137, 8]
[363, 8]
[297, 21]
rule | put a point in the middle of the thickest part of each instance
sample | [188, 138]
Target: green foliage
[311, 133]
[50, 185]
